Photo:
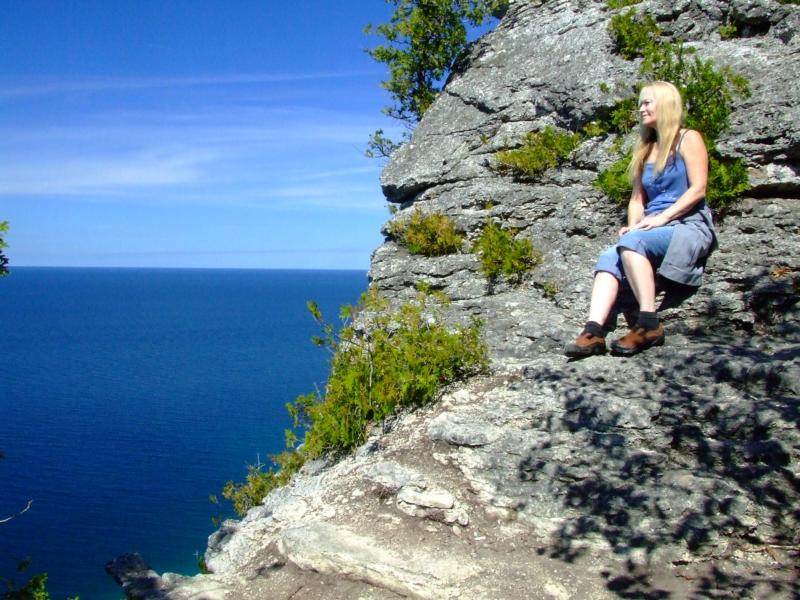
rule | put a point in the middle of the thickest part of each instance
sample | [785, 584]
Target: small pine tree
[3, 258]
[423, 41]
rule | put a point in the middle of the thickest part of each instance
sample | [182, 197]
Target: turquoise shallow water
[127, 396]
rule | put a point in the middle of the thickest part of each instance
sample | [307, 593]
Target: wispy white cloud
[228, 151]
[334, 194]
[195, 149]
[102, 175]
[372, 168]
[11, 89]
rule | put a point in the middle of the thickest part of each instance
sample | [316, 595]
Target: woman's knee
[652, 244]
[609, 262]
[636, 266]
[609, 256]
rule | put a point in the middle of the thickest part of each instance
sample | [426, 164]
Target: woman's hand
[651, 222]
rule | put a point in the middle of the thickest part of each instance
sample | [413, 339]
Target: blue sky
[190, 133]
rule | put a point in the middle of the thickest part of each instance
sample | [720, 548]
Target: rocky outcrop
[671, 474]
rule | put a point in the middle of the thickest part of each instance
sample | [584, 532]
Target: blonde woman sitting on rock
[669, 232]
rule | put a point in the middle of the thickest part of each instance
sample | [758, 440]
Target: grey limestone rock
[419, 496]
[327, 549]
[457, 430]
[544, 65]
[391, 476]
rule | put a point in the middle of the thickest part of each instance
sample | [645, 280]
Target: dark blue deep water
[127, 396]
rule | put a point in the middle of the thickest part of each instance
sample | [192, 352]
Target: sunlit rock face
[546, 65]
[674, 473]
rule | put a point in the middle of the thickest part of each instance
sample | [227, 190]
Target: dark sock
[648, 320]
[595, 328]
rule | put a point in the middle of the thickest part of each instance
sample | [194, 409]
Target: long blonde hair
[669, 117]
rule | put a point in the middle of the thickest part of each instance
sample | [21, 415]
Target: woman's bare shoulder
[691, 141]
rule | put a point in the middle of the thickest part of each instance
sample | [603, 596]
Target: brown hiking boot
[638, 339]
[587, 344]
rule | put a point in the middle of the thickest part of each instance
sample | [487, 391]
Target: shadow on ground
[691, 458]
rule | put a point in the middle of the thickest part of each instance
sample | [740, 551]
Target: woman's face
[647, 108]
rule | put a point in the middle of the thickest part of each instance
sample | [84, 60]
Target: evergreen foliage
[502, 255]
[541, 150]
[727, 180]
[708, 93]
[549, 289]
[380, 146]
[622, 3]
[729, 31]
[423, 41]
[394, 359]
[34, 589]
[622, 118]
[613, 181]
[3, 258]
[431, 234]
[633, 36]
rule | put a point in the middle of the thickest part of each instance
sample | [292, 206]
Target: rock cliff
[671, 474]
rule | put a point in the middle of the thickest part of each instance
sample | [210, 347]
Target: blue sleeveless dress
[662, 192]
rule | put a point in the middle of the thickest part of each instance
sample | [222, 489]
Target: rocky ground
[650, 477]
[671, 474]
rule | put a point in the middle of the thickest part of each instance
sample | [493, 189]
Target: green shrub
[633, 37]
[621, 118]
[541, 151]
[3, 258]
[708, 93]
[729, 31]
[402, 360]
[727, 180]
[500, 254]
[427, 234]
[549, 289]
[245, 495]
[34, 589]
[594, 129]
[613, 181]
[621, 3]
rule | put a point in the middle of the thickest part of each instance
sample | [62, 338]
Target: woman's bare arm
[695, 156]
[635, 206]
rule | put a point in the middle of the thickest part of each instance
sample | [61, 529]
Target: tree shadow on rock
[682, 459]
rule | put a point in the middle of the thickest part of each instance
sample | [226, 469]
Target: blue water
[127, 396]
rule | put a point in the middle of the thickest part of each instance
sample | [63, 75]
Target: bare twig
[294, 593]
[22, 512]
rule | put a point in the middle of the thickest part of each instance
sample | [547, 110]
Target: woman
[669, 230]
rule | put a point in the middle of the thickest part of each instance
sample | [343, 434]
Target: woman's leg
[604, 293]
[641, 277]
[592, 340]
[648, 331]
